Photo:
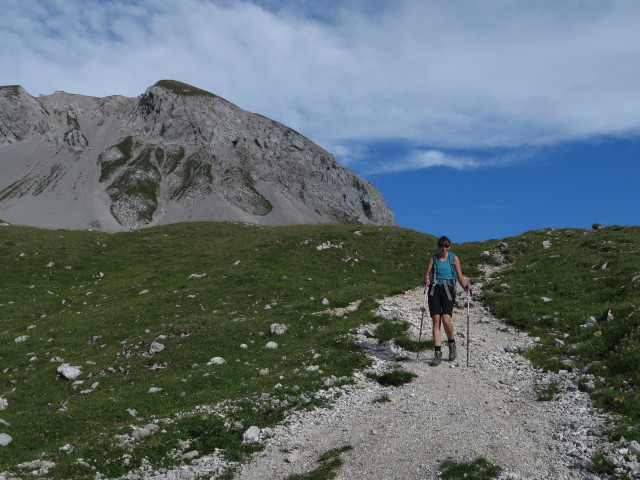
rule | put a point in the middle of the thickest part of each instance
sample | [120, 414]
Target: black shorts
[439, 303]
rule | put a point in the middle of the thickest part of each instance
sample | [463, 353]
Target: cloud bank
[438, 76]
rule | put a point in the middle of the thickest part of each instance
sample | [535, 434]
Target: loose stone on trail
[252, 435]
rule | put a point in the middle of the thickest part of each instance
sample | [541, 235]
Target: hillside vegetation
[580, 294]
[204, 290]
[99, 301]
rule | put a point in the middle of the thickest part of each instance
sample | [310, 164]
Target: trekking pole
[424, 303]
[468, 338]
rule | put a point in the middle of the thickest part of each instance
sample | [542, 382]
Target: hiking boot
[437, 358]
[453, 353]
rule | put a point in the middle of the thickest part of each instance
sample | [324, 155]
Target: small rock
[325, 301]
[68, 371]
[155, 390]
[636, 278]
[546, 299]
[21, 338]
[217, 361]
[252, 435]
[634, 446]
[559, 343]
[5, 439]
[292, 457]
[156, 347]
[144, 292]
[278, 329]
[3, 403]
[196, 276]
[191, 455]
[271, 345]
[546, 244]
[145, 431]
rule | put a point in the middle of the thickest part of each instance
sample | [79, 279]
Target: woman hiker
[440, 280]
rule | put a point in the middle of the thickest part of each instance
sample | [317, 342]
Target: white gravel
[488, 409]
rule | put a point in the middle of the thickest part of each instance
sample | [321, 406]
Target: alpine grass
[383, 398]
[546, 393]
[202, 290]
[394, 378]
[479, 469]
[98, 301]
[578, 291]
[329, 461]
[397, 331]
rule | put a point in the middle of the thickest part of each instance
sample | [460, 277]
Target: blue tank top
[443, 269]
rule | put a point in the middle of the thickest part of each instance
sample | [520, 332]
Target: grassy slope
[570, 273]
[87, 308]
[105, 319]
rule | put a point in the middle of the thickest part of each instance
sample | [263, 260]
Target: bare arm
[427, 276]
[461, 280]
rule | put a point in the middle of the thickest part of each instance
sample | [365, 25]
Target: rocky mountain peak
[175, 153]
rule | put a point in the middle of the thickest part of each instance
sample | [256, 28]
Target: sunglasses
[444, 245]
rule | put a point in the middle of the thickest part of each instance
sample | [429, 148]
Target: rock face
[175, 153]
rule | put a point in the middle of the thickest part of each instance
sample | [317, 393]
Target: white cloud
[456, 75]
[420, 160]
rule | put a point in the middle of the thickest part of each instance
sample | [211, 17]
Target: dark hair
[444, 239]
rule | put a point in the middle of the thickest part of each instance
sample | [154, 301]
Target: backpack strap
[434, 267]
[454, 272]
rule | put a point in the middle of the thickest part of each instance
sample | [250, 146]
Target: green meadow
[203, 290]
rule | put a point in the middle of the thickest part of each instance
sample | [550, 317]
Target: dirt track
[488, 409]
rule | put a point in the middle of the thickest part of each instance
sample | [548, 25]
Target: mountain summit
[173, 154]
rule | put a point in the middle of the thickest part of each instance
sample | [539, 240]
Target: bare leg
[448, 327]
[437, 339]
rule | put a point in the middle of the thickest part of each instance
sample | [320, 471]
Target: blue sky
[475, 119]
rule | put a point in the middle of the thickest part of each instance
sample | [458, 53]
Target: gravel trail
[488, 409]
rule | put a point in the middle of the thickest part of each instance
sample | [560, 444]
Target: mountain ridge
[175, 153]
